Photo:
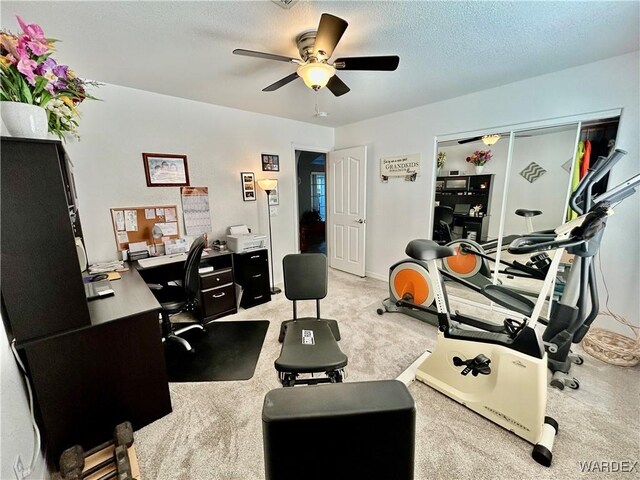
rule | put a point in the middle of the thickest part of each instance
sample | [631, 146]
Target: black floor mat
[226, 351]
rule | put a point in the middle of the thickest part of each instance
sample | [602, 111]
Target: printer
[240, 239]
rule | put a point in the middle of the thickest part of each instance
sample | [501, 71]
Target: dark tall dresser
[91, 365]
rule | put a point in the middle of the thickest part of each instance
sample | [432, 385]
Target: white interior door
[346, 208]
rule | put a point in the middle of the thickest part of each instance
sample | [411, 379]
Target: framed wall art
[248, 186]
[166, 170]
[270, 163]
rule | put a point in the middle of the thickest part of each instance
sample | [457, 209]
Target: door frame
[296, 215]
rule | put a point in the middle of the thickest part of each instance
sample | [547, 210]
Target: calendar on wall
[195, 210]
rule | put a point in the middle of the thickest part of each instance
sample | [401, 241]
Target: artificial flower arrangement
[28, 74]
[480, 157]
[442, 158]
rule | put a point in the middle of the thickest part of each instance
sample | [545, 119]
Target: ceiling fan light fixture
[316, 74]
[489, 140]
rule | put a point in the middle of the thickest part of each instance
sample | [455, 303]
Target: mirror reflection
[485, 197]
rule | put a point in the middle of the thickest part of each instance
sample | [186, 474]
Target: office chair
[306, 278]
[182, 298]
[442, 222]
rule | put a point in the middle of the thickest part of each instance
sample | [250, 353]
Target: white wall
[397, 211]
[15, 419]
[219, 143]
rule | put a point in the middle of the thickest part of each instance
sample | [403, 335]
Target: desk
[217, 287]
[89, 379]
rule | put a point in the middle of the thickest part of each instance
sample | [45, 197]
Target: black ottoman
[361, 430]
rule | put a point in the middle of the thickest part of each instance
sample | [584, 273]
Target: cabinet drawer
[256, 293]
[251, 263]
[251, 298]
[218, 300]
[216, 279]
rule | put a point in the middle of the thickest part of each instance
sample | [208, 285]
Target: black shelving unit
[470, 190]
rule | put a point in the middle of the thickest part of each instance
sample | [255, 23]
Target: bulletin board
[135, 224]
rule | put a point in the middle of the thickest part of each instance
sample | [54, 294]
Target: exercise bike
[501, 376]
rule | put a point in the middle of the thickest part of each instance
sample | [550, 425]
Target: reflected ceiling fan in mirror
[488, 140]
[316, 47]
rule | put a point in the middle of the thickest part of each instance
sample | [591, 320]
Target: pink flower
[26, 67]
[33, 37]
[33, 31]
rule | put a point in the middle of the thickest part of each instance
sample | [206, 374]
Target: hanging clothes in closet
[586, 158]
[575, 176]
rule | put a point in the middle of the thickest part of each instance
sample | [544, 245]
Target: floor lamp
[268, 186]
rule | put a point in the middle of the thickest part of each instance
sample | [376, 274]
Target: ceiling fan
[316, 47]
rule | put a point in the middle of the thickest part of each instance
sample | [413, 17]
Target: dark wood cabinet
[217, 289]
[42, 289]
[252, 274]
[93, 365]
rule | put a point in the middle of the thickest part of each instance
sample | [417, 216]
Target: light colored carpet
[215, 430]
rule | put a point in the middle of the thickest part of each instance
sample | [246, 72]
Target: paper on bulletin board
[170, 214]
[160, 212]
[131, 220]
[123, 237]
[168, 228]
[195, 210]
[149, 213]
[118, 217]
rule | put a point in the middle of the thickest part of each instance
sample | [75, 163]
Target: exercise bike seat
[422, 249]
[509, 299]
[523, 212]
[310, 347]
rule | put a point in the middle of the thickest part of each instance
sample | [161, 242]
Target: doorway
[312, 201]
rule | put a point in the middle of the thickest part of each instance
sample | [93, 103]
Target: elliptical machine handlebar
[602, 167]
[592, 223]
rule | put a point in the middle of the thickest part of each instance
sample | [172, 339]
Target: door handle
[360, 220]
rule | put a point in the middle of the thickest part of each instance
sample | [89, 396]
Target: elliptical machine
[570, 321]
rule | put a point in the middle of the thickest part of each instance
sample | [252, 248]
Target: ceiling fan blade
[330, 32]
[281, 83]
[386, 63]
[337, 86]
[469, 140]
[267, 56]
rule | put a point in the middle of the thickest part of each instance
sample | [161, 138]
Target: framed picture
[166, 170]
[270, 163]
[248, 186]
[274, 199]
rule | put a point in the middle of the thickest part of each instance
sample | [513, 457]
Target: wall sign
[407, 166]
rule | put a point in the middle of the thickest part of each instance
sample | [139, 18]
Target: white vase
[24, 120]
[479, 169]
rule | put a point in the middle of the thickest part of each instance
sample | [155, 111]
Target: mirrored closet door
[496, 186]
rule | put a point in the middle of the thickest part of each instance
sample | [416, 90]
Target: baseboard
[376, 276]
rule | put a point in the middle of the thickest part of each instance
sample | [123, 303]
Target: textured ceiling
[446, 49]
